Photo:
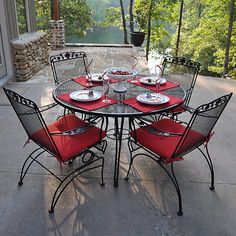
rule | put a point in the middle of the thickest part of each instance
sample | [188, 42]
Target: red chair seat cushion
[68, 146]
[165, 146]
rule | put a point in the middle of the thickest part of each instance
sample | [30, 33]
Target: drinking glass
[106, 88]
[89, 68]
[134, 79]
[158, 83]
[158, 70]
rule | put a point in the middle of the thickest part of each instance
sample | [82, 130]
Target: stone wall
[30, 54]
[57, 34]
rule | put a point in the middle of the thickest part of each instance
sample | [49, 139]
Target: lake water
[112, 35]
[109, 35]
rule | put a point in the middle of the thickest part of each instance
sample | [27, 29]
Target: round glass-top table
[119, 110]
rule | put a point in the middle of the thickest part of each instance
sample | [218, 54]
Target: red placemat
[163, 87]
[82, 80]
[87, 105]
[147, 108]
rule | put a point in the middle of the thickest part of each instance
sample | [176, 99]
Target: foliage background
[21, 15]
[203, 32]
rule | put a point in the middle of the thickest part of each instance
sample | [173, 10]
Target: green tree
[179, 27]
[76, 14]
[198, 29]
[131, 15]
[163, 14]
[21, 16]
[98, 10]
[113, 17]
[204, 35]
[43, 14]
[123, 22]
[229, 33]
[149, 27]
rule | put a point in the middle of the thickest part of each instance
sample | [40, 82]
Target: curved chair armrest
[47, 107]
[75, 131]
[160, 132]
[31, 111]
[142, 123]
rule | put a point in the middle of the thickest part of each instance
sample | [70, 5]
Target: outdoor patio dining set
[103, 106]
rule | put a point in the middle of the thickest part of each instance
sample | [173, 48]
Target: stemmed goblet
[134, 79]
[89, 73]
[158, 83]
[159, 78]
[158, 70]
[106, 87]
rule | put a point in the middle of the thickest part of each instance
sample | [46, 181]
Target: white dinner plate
[153, 98]
[97, 78]
[85, 95]
[151, 80]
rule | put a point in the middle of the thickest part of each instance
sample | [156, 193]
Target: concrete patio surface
[146, 205]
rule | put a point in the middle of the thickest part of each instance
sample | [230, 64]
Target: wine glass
[106, 88]
[89, 73]
[158, 70]
[158, 83]
[134, 79]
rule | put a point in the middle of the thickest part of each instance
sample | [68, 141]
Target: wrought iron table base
[118, 137]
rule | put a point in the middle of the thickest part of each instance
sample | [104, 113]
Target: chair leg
[131, 150]
[158, 161]
[210, 164]
[25, 169]
[176, 185]
[67, 180]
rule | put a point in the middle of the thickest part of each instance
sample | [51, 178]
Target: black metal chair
[67, 65]
[66, 139]
[166, 141]
[184, 72]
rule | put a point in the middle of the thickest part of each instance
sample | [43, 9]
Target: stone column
[56, 34]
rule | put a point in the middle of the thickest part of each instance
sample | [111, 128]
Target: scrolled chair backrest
[67, 65]
[201, 124]
[32, 121]
[182, 71]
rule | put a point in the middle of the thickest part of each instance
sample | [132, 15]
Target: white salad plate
[85, 95]
[151, 80]
[152, 98]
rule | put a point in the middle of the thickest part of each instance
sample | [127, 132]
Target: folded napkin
[148, 108]
[163, 87]
[82, 80]
[87, 105]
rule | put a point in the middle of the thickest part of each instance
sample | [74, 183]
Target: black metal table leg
[118, 138]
